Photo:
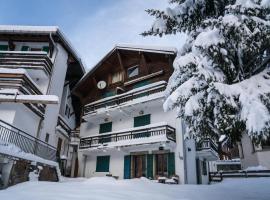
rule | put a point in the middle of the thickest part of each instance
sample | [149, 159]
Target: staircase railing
[26, 142]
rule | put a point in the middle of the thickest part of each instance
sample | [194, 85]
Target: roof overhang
[129, 47]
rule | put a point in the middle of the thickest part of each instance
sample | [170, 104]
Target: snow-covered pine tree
[221, 79]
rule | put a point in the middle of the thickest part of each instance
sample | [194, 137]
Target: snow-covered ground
[141, 189]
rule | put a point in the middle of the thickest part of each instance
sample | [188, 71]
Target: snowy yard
[110, 189]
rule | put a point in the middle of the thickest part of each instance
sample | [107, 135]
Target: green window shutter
[142, 120]
[3, 47]
[46, 49]
[103, 164]
[127, 166]
[25, 48]
[150, 166]
[171, 164]
[108, 94]
[105, 128]
[140, 84]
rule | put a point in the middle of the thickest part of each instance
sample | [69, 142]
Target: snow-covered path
[141, 189]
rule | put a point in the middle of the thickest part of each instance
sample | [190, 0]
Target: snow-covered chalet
[124, 131]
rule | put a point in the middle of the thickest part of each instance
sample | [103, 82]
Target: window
[142, 120]
[3, 47]
[103, 164]
[25, 48]
[133, 71]
[117, 77]
[105, 127]
[47, 137]
[46, 49]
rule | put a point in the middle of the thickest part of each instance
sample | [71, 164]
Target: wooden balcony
[26, 60]
[122, 99]
[137, 136]
[64, 125]
[207, 149]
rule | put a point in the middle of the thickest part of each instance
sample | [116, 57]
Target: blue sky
[92, 26]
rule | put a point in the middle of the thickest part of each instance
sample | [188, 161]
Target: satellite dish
[101, 85]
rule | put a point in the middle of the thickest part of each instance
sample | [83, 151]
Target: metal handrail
[26, 142]
[206, 144]
[93, 141]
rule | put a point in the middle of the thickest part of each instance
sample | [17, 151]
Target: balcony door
[139, 166]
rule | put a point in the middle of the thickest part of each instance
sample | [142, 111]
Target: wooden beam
[144, 63]
[121, 65]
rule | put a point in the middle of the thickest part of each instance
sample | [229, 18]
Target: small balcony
[135, 96]
[26, 142]
[63, 126]
[75, 138]
[17, 81]
[26, 60]
[137, 136]
[207, 150]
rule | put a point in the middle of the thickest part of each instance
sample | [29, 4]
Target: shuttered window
[3, 47]
[46, 49]
[25, 48]
[142, 120]
[103, 164]
[105, 128]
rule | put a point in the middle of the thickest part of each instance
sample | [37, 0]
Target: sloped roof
[130, 47]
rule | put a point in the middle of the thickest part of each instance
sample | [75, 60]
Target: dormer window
[133, 71]
[117, 77]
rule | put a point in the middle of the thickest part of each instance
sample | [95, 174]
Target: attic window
[133, 71]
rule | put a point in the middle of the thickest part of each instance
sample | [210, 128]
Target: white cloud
[121, 22]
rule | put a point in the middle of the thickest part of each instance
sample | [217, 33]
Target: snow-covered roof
[28, 29]
[43, 30]
[147, 48]
[131, 47]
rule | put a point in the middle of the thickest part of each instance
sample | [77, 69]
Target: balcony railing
[123, 98]
[27, 60]
[23, 84]
[95, 141]
[26, 142]
[206, 144]
[64, 125]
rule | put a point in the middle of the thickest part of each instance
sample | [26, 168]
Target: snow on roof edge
[146, 47]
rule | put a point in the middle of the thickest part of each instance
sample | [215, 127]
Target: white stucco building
[38, 68]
